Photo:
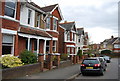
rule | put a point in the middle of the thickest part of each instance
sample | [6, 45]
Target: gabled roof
[80, 31]
[111, 40]
[49, 8]
[68, 25]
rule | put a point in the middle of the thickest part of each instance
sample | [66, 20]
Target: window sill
[52, 31]
[9, 18]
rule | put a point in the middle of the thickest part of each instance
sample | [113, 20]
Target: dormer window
[10, 8]
[55, 24]
[48, 23]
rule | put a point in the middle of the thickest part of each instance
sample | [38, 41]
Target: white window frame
[38, 20]
[68, 50]
[54, 46]
[54, 24]
[48, 23]
[79, 39]
[12, 9]
[12, 45]
[29, 22]
[68, 36]
[72, 50]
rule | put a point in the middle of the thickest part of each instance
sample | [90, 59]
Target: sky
[98, 17]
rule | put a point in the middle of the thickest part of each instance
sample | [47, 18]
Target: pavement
[61, 73]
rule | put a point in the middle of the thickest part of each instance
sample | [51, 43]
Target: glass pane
[7, 39]
[35, 45]
[9, 12]
[10, 4]
[6, 50]
[47, 43]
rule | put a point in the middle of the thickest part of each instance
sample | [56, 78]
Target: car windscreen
[90, 61]
[106, 57]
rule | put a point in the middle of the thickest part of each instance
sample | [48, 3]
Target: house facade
[30, 27]
[111, 44]
[10, 18]
[27, 26]
[68, 33]
[80, 39]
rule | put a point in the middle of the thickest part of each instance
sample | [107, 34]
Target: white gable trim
[62, 27]
[115, 40]
[58, 10]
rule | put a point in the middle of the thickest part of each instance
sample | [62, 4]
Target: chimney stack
[112, 37]
[65, 21]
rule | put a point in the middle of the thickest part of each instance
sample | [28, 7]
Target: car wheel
[105, 69]
[83, 74]
[102, 72]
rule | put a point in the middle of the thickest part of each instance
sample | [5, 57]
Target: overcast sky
[98, 17]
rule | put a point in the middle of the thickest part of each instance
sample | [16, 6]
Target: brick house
[112, 44]
[67, 38]
[30, 27]
[9, 19]
[53, 19]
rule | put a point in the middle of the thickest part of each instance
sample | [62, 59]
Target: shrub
[9, 61]
[28, 57]
[79, 53]
[64, 56]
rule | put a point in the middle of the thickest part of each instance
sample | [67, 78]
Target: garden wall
[20, 71]
[11, 73]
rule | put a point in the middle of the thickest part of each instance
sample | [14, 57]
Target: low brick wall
[65, 63]
[20, 71]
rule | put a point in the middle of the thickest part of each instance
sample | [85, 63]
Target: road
[111, 73]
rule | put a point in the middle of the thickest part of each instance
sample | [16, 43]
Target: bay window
[68, 50]
[54, 24]
[48, 23]
[54, 46]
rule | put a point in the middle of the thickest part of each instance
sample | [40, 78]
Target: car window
[91, 61]
[101, 60]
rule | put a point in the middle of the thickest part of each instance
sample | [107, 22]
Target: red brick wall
[21, 44]
[41, 48]
[8, 24]
[61, 40]
[16, 46]
[18, 11]
[54, 34]
[56, 13]
[2, 8]
[51, 44]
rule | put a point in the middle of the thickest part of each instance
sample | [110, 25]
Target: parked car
[93, 65]
[107, 58]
